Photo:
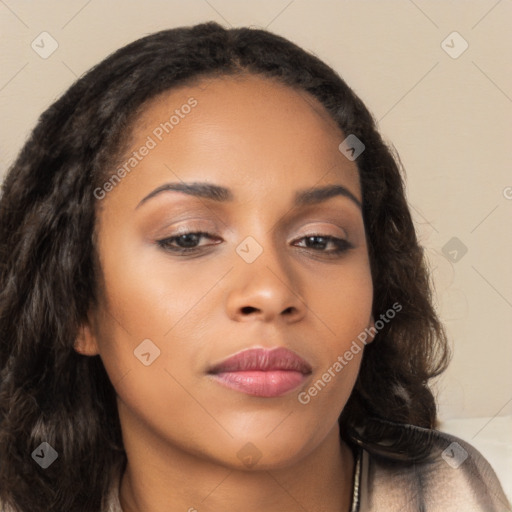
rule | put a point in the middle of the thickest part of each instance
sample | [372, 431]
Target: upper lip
[260, 359]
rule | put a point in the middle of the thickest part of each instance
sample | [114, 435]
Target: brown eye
[341, 245]
[184, 242]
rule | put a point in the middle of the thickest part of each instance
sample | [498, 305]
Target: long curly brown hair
[48, 275]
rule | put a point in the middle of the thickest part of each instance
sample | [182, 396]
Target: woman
[213, 298]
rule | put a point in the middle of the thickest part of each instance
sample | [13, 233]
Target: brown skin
[181, 429]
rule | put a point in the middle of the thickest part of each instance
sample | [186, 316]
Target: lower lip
[262, 383]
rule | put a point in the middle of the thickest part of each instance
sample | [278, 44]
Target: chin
[261, 453]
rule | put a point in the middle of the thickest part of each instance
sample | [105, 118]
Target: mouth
[262, 372]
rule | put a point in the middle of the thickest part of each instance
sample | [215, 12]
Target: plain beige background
[447, 111]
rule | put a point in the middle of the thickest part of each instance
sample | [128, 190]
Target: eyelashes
[190, 238]
[341, 245]
[187, 238]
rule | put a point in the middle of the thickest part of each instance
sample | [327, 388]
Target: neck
[163, 478]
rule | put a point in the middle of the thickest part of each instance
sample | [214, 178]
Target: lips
[262, 372]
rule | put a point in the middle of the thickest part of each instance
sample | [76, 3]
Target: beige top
[454, 478]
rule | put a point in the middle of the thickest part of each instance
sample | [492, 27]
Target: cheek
[342, 302]
[148, 296]
[152, 365]
[149, 338]
[331, 387]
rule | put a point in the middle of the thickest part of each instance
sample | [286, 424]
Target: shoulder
[451, 476]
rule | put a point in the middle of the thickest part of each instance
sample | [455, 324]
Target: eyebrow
[218, 193]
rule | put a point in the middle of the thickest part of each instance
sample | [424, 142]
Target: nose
[266, 290]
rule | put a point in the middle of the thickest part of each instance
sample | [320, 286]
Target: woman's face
[263, 278]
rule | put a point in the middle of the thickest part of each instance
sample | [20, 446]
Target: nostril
[248, 309]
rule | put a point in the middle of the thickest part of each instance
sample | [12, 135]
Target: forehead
[243, 131]
[237, 108]
[236, 91]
